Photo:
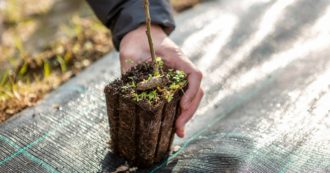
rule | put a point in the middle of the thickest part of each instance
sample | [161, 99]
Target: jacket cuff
[132, 16]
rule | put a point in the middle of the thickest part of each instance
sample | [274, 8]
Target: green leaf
[160, 62]
[23, 69]
[19, 45]
[4, 78]
[62, 62]
[133, 84]
[47, 70]
[152, 95]
[169, 98]
[149, 77]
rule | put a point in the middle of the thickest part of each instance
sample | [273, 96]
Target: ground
[265, 108]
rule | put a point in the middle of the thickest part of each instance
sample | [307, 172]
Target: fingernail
[181, 132]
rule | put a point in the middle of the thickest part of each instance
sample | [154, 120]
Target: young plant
[157, 78]
[147, 98]
[148, 32]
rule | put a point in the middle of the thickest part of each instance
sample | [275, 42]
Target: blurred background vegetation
[44, 43]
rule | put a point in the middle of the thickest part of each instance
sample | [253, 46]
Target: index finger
[194, 80]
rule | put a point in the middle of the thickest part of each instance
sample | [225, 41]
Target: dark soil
[142, 130]
[136, 75]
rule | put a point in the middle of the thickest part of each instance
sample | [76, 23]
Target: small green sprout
[179, 75]
[168, 95]
[133, 84]
[129, 86]
[160, 62]
[174, 86]
[135, 96]
[143, 95]
[149, 77]
[125, 87]
[152, 95]
[131, 78]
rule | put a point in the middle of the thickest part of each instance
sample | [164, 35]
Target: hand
[134, 49]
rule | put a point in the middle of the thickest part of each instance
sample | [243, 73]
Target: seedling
[148, 32]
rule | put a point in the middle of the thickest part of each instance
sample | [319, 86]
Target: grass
[44, 45]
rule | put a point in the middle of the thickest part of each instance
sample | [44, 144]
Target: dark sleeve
[122, 16]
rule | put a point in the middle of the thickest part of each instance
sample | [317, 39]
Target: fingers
[132, 54]
[175, 58]
[186, 114]
[194, 79]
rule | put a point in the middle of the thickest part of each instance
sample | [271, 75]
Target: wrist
[156, 31]
[139, 34]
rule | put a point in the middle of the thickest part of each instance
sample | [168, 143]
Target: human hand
[134, 49]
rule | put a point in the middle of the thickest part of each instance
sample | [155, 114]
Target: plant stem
[148, 32]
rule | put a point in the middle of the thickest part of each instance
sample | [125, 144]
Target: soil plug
[142, 107]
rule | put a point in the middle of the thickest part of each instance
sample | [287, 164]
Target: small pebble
[125, 168]
[176, 148]
[134, 169]
[56, 106]
[121, 168]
